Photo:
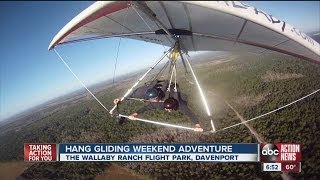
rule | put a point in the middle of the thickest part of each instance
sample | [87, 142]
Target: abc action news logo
[280, 152]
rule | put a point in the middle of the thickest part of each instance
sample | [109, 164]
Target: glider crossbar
[159, 123]
[140, 79]
[139, 99]
[238, 124]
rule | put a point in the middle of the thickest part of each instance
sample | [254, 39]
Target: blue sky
[30, 74]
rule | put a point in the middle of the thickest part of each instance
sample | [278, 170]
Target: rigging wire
[118, 49]
[79, 79]
[160, 72]
[182, 127]
[273, 111]
[116, 62]
[215, 131]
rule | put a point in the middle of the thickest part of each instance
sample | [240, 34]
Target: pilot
[154, 100]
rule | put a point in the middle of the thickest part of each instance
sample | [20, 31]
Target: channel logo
[269, 152]
[280, 152]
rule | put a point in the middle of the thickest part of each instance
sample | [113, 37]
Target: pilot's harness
[173, 57]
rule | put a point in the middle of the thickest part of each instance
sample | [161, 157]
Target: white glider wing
[200, 25]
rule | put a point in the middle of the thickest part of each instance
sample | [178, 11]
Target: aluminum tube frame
[159, 123]
[203, 98]
[172, 71]
[140, 79]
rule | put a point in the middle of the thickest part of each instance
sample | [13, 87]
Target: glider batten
[177, 14]
[166, 14]
[210, 21]
[262, 19]
[190, 25]
[122, 25]
[252, 32]
[263, 46]
[241, 30]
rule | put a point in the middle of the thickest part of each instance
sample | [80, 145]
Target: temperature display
[291, 167]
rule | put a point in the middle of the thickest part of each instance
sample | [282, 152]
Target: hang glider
[185, 26]
[200, 25]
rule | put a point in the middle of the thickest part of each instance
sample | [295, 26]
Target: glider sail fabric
[200, 25]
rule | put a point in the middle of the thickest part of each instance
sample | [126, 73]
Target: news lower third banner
[241, 152]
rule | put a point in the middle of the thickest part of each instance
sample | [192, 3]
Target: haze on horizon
[31, 75]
